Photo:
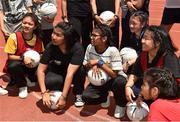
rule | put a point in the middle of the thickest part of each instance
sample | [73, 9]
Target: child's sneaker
[79, 102]
[3, 91]
[119, 112]
[23, 93]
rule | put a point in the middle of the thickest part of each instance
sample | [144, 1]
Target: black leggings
[54, 81]
[18, 71]
[83, 26]
[98, 94]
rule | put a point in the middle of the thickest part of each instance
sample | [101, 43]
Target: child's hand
[98, 19]
[96, 72]
[139, 101]
[46, 99]
[28, 62]
[131, 6]
[61, 102]
[129, 94]
[112, 22]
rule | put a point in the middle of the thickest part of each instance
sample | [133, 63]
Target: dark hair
[143, 17]
[164, 80]
[38, 30]
[106, 32]
[159, 35]
[70, 35]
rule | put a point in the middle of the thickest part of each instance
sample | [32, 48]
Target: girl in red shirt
[160, 86]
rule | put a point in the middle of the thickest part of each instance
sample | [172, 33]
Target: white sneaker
[79, 102]
[107, 103]
[23, 93]
[3, 91]
[119, 112]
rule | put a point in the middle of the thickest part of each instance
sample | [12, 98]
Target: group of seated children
[64, 62]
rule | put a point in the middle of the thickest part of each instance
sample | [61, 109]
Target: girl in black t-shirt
[60, 66]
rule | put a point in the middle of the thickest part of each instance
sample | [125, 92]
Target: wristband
[100, 62]
[42, 93]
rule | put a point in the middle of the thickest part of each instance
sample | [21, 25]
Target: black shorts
[170, 16]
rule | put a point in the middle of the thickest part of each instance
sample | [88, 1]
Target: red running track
[13, 108]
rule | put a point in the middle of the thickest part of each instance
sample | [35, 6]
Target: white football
[136, 113]
[128, 54]
[48, 9]
[95, 80]
[106, 16]
[54, 96]
[34, 55]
